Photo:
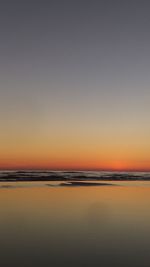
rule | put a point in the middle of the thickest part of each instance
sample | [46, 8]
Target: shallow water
[74, 226]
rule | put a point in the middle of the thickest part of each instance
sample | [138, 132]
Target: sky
[75, 84]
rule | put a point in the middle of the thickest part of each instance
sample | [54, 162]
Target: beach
[46, 224]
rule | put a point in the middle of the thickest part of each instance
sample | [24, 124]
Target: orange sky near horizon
[85, 144]
[76, 153]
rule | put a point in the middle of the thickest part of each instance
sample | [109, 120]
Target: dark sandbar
[73, 183]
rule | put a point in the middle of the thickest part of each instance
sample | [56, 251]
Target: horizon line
[73, 169]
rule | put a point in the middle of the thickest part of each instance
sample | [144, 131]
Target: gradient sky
[75, 84]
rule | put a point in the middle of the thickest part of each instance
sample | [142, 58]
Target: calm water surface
[75, 226]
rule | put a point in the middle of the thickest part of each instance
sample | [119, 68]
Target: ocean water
[45, 224]
[71, 175]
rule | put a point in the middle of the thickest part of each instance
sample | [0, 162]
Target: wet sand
[74, 226]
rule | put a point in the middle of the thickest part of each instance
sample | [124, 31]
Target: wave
[72, 175]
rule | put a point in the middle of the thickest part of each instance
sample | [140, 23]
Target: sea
[36, 175]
